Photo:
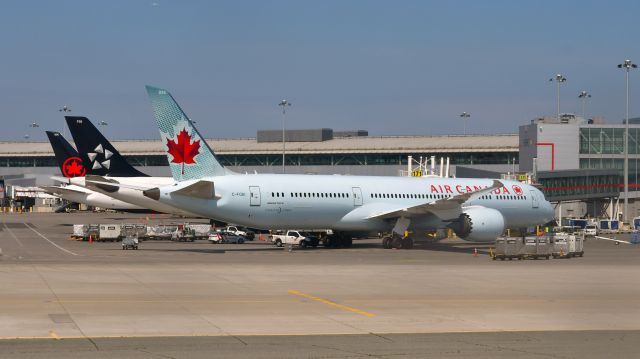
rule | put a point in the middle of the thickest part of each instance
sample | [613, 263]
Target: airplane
[71, 165]
[111, 174]
[475, 209]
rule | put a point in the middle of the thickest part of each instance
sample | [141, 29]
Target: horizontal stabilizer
[200, 189]
[60, 179]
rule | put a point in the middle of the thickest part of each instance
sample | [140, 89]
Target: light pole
[627, 65]
[465, 116]
[284, 104]
[559, 79]
[584, 95]
[64, 109]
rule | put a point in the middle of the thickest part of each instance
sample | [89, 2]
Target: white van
[591, 230]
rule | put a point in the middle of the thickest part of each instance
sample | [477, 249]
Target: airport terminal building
[320, 151]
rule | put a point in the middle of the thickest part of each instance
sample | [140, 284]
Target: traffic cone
[91, 239]
[475, 252]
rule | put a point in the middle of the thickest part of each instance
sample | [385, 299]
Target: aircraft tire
[386, 243]
[396, 243]
[407, 243]
[347, 241]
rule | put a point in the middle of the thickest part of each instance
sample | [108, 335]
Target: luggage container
[109, 232]
[577, 250]
[161, 231]
[568, 245]
[509, 248]
[200, 231]
[79, 232]
[128, 229]
[537, 247]
[636, 223]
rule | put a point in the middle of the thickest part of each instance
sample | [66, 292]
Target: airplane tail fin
[70, 163]
[190, 157]
[99, 155]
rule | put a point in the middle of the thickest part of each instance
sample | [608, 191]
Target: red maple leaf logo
[73, 167]
[182, 150]
[517, 189]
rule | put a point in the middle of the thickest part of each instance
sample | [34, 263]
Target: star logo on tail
[95, 162]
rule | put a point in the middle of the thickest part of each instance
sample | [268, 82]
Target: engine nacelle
[479, 224]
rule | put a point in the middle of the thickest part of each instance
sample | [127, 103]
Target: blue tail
[190, 157]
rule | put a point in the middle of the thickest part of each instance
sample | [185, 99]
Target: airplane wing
[55, 190]
[110, 183]
[446, 208]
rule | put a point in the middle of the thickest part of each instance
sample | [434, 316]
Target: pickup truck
[299, 238]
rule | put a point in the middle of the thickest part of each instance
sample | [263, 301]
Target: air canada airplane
[476, 209]
[109, 167]
[72, 166]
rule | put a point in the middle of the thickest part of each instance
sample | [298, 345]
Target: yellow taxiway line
[333, 304]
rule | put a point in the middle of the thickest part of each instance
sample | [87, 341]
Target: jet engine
[479, 224]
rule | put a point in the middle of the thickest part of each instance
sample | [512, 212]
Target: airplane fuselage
[348, 203]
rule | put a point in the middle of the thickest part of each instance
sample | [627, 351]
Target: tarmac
[195, 299]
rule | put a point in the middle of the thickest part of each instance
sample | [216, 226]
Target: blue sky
[391, 67]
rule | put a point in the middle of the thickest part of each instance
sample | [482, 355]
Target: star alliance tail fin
[190, 157]
[98, 154]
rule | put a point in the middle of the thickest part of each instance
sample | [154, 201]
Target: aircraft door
[255, 195]
[534, 199]
[357, 196]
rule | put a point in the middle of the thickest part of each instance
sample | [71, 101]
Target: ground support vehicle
[509, 248]
[302, 239]
[240, 231]
[229, 237]
[215, 237]
[537, 247]
[130, 242]
[591, 230]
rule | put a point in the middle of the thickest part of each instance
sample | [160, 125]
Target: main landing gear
[338, 240]
[397, 242]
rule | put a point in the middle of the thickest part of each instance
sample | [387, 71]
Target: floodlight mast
[464, 116]
[559, 79]
[627, 65]
[284, 104]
